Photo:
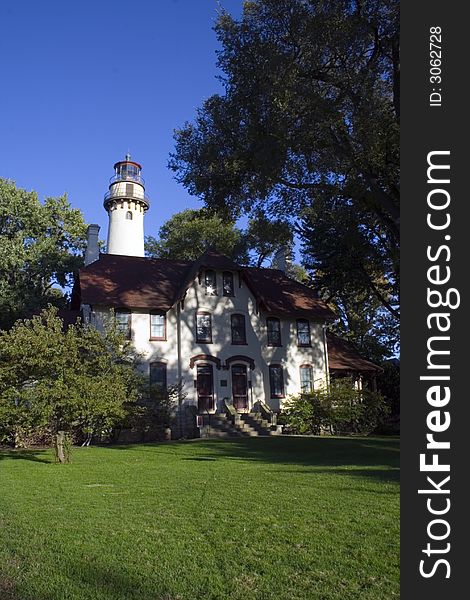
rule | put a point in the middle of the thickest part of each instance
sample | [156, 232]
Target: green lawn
[267, 518]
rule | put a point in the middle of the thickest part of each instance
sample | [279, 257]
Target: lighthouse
[126, 205]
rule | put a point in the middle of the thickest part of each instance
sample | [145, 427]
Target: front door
[205, 388]
[239, 387]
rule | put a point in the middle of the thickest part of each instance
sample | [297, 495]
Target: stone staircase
[245, 425]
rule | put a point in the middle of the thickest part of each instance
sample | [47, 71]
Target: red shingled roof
[283, 296]
[342, 355]
[132, 282]
[157, 284]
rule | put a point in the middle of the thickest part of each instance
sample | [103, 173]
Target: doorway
[239, 387]
[205, 388]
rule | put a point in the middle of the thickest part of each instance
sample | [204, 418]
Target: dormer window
[228, 283]
[210, 282]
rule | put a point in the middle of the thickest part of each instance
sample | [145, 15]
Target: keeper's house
[231, 335]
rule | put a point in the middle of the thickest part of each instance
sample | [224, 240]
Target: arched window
[158, 375]
[210, 283]
[227, 277]
[238, 329]
[203, 327]
[129, 215]
[306, 379]
[276, 381]
[273, 326]
[303, 333]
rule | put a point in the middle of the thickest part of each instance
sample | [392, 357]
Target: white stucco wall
[289, 355]
[126, 236]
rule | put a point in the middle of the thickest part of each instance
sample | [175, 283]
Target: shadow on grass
[376, 458]
[92, 580]
[390, 475]
[32, 455]
[314, 451]
[366, 458]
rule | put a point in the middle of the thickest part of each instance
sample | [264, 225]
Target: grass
[268, 518]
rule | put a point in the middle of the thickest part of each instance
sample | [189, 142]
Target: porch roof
[343, 356]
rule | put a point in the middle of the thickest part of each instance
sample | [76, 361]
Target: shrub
[338, 409]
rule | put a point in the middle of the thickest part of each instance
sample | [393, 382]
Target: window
[306, 379]
[276, 381]
[274, 331]
[123, 322]
[129, 215]
[303, 333]
[210, 283]
[203, 327]
[228, 283]
[238, 329]
[157, 326]
[158, 375]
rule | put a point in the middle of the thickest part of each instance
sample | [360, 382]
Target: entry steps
[247, 425]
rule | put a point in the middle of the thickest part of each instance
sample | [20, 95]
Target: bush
[340, 409]
[153, 414]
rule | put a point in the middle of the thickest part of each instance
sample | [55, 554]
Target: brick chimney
[92, 251]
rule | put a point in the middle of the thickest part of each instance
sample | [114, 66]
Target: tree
[349, 263]
[41, 246]
[264, 236]
[188, 234]
[74, 381]
[308, 130]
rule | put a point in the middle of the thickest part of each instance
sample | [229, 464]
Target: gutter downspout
[180, 376]
[325, 350]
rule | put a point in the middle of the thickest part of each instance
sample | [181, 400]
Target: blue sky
[85, 81]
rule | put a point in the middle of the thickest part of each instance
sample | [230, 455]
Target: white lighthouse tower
[126, 204]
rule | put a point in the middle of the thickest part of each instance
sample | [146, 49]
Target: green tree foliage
[189, 233]
[41, 246]
[338, 409]
[308, 130]
[352, 262]
[157, 411]
[76, 380]
[388, 382]
[264, 236]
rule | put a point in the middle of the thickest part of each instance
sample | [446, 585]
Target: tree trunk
[62, 447]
